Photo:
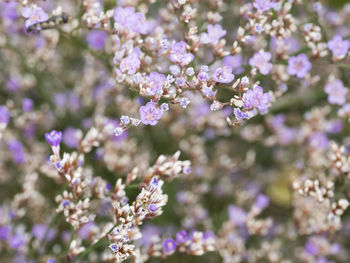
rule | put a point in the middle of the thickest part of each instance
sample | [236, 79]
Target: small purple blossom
[240, 115]
[261, 60]
[179, 54]
[319, 140]
[215, 32]
[338, 46]
[41, 231]
[131, 63]
[261, 202]
[237, 215]
[5, 232]
[4, 115]
[70, 137]
[256, 98]
[336, 92]
[34, 14]
[152, 208]
[27, 105]
[127, 18]
[181, 237]
[169, 246]
[17, 151]
[263, 5]
[54, 138]
[223, 75]
[155, 82]
[150, 114]
[96, 39]
[299, 65]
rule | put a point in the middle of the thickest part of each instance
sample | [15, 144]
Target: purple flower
[150, 114]
[40, 230]
[96, 39]
[181, 237]
[155, 82]
[127, 18]
[17, 151]
[261, 60]
[4, 115]
[319, 140]
[240, 115]
[70, 137]
[261, 202]
[169, 246]
[34, 14]
[131, 63]
[54, 138]
[152, 208]
[263, 5]
[5, 232]
[336, 92]
[50, 260]
[179, 54]
[299, 65]
[256, 98]
[234, 62]
[17, 241]
[8, 10]
[237, 215]
[215, 32]
[27, 104]
[223, 75]
[338, 46]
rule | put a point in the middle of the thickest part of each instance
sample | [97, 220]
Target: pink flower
[34, 14]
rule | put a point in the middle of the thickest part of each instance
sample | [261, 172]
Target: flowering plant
[175, 131]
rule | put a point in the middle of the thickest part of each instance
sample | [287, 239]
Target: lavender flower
[256, 98]
[150, 114]
[240, 115]
[17, 151]
[96, 39]
[336, 92]
[338, 46]
[131, 63]
[155, 82]
[299, 65]
[181, 237]
[261, 60]
[263, 5]
[4, 115]
[215, 32]
[54, 138]
[223, 75]
[179, 54]
[169, 246]
[127, 18]
[34, 14]
[27, 105]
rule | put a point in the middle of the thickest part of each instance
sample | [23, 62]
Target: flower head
[34, 14]
[223, 75]
[338, 46]
[299, 65]
[336, 92]
[150, 113]
[155, 82]
[127, 18]
[54, 138]
[256, 98]
[215, 32]
[263, 5]
[169, 246]
[4, 115]
[179, 54]
[261, 60]
[96, 39]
